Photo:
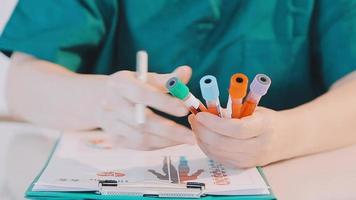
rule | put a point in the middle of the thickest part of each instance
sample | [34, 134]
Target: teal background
[303, 45]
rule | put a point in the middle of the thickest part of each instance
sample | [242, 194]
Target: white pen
[141, 74]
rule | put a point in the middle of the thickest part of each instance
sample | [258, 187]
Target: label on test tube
[178, 89]
[258, 88]
[237, 91]
[210, 92]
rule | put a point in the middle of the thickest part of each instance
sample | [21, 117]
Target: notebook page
[83, 158]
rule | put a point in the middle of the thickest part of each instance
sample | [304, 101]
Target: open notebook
[95, 163]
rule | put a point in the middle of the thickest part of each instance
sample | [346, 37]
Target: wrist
[62, 101]
[50, 95]
[299, 128]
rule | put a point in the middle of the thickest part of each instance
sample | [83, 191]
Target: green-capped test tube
[178, 89]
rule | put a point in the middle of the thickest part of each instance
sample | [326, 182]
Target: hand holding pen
[119, 113]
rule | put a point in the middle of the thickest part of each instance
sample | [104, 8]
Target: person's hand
[251, 141]
[118, 116]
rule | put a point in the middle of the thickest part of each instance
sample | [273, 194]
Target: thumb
[184, 73]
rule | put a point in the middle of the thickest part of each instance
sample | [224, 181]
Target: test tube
[178, 89]
[258, 88]
[210, 92]
[237, 91]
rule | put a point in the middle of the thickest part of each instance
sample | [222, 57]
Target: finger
[134, 139]
[159, 80]
[222, 160]
[224, 142]
[110, 124]
[232, 159]
[112, 103]
[155, 124]
[209, 154]
[245, 128]
[226, 154]
[168, 129]
[157, 142]
[115, 110]
[138, 92]
[111, 120]
[122, 111]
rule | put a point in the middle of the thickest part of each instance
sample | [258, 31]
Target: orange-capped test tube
[258, 88]
[237, 91]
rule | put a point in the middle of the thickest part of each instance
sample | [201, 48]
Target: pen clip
[103, 183]
[186, 190]
[199, 185]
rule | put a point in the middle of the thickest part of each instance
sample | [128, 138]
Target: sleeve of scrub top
[62, 32]
[336, 38]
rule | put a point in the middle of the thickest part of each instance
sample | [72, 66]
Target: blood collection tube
[258, 88]
[237, 91]
[210, 92]
[178, 89]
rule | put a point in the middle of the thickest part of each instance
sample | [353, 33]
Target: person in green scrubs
[72, 66]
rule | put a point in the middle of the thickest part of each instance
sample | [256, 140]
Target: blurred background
[6, 7]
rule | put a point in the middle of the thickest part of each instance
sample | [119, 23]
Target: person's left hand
[251, 141]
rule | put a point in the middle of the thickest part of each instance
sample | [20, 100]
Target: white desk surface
[329, 175]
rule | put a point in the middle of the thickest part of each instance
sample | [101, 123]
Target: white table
[330, 175]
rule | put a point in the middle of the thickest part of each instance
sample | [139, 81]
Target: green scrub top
[303, 45]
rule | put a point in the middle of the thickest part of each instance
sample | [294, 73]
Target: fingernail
[184, 67]
[182, 72]
[190, 118]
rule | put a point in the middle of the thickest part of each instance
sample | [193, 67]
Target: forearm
[327, 122]
[47, 94]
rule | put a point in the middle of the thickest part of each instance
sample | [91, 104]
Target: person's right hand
[118, 116]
